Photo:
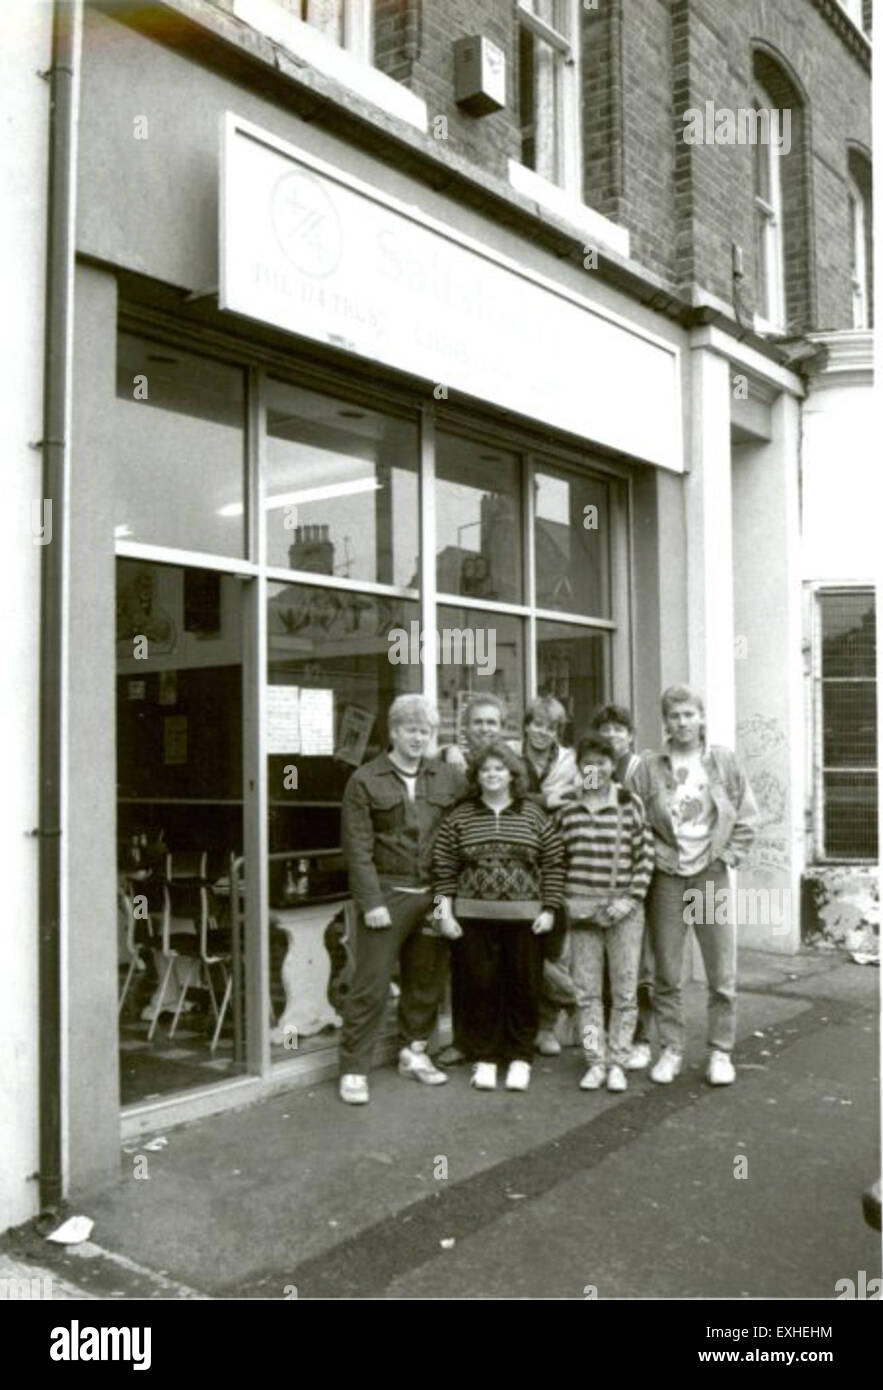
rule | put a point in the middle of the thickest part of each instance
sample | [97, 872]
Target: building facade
[534, 325]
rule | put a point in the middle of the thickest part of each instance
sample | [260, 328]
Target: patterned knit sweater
[590, 839]
[515, 855]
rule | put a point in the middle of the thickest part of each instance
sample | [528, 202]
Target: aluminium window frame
[258, 363]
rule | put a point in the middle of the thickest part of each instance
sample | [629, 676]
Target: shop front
[355, 473]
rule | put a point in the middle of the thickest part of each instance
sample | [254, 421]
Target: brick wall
[644, 63]
[414, 42]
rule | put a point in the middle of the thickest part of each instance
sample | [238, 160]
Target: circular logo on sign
[306, 224]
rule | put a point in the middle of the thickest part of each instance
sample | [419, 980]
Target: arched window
[784, 280]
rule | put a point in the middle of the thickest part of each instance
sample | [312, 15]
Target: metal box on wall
[479, 75]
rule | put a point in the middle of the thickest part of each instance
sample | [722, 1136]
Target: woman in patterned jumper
[609, 849]
[498, 876]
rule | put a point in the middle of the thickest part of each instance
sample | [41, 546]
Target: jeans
[502, 971]
[646, 977]
[422, 960]
[620, 946]
[717, 942]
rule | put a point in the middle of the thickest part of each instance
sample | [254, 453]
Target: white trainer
[639, 1057]
[518, 1076]
[616, 1080]
[547, 1043]
[667, 1066]
[593, 1079]
[484, 1076]
[353, 1089]
[721, 1071]
[414, 1061]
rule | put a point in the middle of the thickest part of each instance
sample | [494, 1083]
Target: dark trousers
[501, 965]
[422, 960]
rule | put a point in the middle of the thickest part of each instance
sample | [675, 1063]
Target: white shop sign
[318, 253]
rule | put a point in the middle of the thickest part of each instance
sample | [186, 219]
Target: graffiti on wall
[763, 745]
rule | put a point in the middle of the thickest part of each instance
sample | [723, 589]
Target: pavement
[682, 1191]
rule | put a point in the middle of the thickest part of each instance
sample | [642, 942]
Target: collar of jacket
[427, 767]
[704, 748]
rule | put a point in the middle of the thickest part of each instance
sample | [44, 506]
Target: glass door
[179, 827]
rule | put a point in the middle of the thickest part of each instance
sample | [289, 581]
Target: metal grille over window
[847, 696]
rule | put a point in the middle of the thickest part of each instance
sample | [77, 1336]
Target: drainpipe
[60, 243]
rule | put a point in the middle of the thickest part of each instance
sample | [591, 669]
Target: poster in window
[316, 722]
[283, 719]
[355, 730]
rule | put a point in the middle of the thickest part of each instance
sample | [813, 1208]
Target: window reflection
[340, 488]
[478, 525]
[482, 654]
[179, 442]
[571, 665]
[572, 540]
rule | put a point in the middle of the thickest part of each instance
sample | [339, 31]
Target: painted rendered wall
[769, 703]
[24, 53]
[840, 464]
[92, 1074]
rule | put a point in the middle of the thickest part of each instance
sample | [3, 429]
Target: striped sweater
[513, 856]
[590, 839]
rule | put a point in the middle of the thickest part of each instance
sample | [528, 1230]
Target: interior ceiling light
[308, 494]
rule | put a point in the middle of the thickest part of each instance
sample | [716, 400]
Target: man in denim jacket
[391, 810]
[703, 816]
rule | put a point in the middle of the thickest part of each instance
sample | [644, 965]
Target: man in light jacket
[703, 816]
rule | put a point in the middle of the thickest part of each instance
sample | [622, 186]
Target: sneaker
[518, 1076]
[667, 1066]
[639, 1057]
[616, 1079]
[414, 1061]
[547, 1043]
[353, 1089]
[484, 1076]
[721, 1071]
[450, 1056]
[593, 1079]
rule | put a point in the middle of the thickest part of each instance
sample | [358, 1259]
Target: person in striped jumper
[498, 877]
[609, 855]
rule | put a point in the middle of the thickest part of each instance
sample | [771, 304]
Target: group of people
[546, 882]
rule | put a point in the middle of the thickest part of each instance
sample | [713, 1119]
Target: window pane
[761, 164]
[572, 540]
[849, 643]
[179, 822]
[341, 488]
[540, 77]
[331, 652]
[481, 653]
[850, 815]
[478, 520]
[179, 438]
[572, 666]
[330, 685]
[850, 723]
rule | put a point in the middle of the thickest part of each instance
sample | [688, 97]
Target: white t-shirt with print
[692, 811]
